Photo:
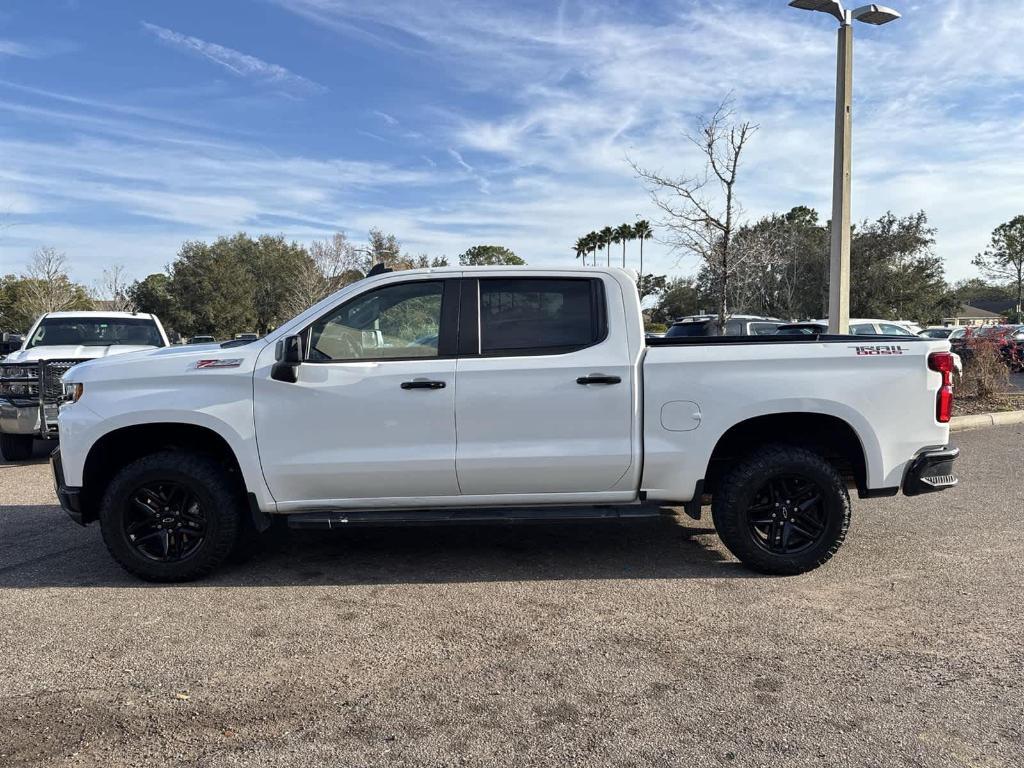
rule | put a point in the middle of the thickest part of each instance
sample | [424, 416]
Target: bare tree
[112, 290]
[333, 263]
[701, 212]
[47, 286]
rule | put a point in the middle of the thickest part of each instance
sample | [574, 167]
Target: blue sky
[128, 127]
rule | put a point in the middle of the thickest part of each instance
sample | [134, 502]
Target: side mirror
[288, 353]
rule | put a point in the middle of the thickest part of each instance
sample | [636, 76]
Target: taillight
[943, 363]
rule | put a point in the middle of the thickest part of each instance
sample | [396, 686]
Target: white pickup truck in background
[497, 393]
[30, 388]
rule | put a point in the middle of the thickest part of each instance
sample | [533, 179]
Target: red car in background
[1009, 339]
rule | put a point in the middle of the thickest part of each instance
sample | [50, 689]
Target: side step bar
[466, 516]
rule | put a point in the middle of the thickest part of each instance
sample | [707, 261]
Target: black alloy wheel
[165, 522]
[787, 515]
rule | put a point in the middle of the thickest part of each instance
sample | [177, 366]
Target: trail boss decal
[876, 350]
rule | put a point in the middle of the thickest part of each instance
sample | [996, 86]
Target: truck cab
[496, 393]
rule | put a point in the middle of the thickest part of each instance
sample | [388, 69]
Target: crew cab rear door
[544, 394]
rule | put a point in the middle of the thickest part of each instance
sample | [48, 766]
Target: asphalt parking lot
[639, 644]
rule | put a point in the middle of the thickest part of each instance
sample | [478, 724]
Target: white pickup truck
[497, 394]
[30, 387]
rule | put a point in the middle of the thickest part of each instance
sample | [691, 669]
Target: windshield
[96, 332]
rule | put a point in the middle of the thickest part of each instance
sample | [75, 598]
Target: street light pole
[842, 165]
[839, 270]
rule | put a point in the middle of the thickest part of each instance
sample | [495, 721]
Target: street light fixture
[839, 275]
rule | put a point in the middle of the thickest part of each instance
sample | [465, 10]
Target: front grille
[50, 371]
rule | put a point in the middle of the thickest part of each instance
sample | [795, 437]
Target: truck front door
[544, 396]
[372, 415]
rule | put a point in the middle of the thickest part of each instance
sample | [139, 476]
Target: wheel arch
[829, 435]
[123, 445]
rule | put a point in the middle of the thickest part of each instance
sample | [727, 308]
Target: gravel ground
[639, 644]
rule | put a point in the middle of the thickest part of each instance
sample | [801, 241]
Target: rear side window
[862, 329]
[894, 330]
[763, 329]
[538, 316]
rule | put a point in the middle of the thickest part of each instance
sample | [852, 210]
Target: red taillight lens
[943, 363]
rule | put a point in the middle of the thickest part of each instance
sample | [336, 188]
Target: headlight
[73, 392]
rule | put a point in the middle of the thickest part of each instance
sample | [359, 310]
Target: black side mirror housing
[288, 354]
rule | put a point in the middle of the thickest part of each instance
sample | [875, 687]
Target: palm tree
[623, 234]
[607, 238]
[595, 244]
[642, 231]
[581, 247]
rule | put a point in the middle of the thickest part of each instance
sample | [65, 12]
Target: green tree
[976, 289]
[1004, 257]
[642, 230]
[488, 255]
[153, 294]
[581, 247]
[895, 274]
[234, 284]
[650, 285]
[607, 237]
[623, 234]
[680, 297]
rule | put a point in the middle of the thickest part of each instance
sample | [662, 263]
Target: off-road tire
[16, 447]
[220, 498]
[737, 490]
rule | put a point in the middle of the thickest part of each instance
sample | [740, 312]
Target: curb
[980, 420]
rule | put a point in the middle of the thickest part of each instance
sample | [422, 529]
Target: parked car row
[753, 325]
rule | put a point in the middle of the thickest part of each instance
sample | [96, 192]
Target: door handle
[423, 384]
[597, 378]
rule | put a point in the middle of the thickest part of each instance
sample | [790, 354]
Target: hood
[165, 363]
[71, 352]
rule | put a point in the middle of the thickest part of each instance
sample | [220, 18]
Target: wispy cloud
[392, 121]
[237, 63]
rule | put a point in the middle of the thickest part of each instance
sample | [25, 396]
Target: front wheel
[784, 510]
[171, 516]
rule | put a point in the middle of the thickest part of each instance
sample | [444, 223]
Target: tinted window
[862, 329]
[763, 329]
[96, 332]
[539, 316]
[894, 330]
[688, 329]
[395, 321]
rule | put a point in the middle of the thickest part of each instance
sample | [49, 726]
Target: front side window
[396, 321]
[539, 315]
[96, 332]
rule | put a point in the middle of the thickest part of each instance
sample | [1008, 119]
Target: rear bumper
[931, 471]
[70, 498]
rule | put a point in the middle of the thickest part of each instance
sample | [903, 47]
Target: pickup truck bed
[497, 393]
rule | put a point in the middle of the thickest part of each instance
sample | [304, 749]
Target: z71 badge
[874, 350]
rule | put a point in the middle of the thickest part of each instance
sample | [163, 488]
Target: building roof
[966, 310]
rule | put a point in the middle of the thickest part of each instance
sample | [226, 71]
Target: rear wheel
[16, 447]
[171, 516]
[783, 510]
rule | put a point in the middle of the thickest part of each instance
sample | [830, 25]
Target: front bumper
[20, 417]
[931, 471]
[70, 498]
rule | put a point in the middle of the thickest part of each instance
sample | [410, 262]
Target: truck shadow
[60, 554]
